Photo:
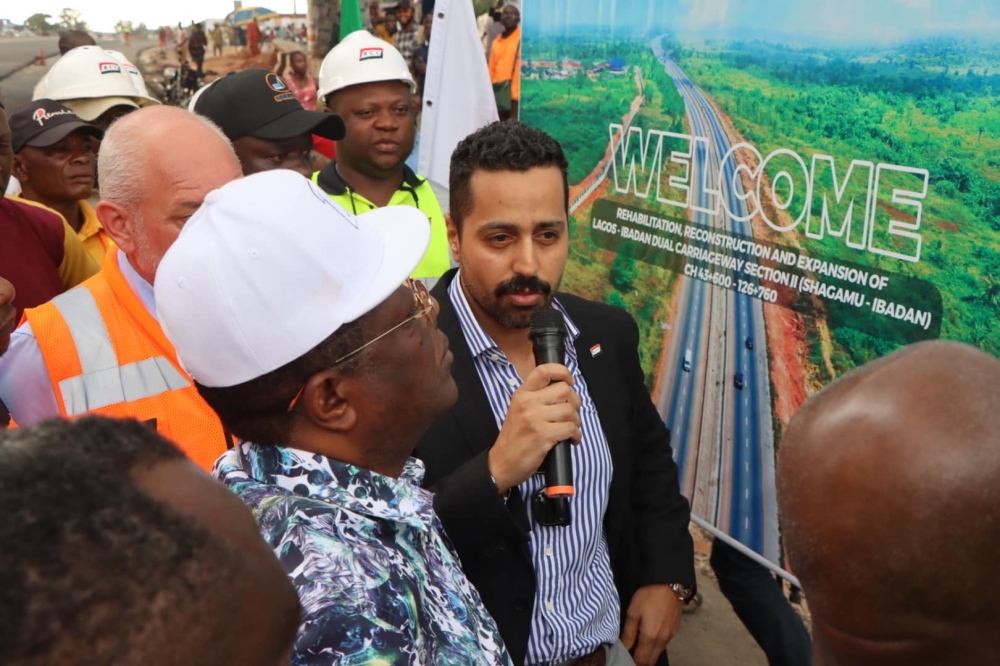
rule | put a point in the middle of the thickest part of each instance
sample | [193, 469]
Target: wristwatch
[683, 592]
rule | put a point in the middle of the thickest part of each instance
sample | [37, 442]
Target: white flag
[458, 95]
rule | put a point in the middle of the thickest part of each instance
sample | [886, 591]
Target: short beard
[509, 317]
[143, 251]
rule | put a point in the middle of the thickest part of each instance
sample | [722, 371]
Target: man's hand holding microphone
[544, 411]
[541, 424]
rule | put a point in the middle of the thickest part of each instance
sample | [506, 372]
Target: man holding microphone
[613, 577]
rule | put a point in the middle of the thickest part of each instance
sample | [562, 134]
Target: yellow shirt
[77, 264]
[383, 33]
[92, 233]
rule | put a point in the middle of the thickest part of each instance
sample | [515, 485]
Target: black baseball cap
[44, 122]
[258, 103]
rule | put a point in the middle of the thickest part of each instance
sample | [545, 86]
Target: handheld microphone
[548, 342]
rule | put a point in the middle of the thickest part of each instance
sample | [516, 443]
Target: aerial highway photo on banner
[778, 193]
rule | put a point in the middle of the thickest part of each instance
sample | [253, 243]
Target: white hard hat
[362, 58]
[145, 99]
[90, 71]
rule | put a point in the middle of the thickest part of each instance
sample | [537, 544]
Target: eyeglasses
[423, 304]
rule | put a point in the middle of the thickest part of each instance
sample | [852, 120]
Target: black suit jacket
[646, 522]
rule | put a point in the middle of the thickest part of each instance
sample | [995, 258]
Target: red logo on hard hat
[371, 53]
[110, 67]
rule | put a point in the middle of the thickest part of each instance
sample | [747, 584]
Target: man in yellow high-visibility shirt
[367, 82]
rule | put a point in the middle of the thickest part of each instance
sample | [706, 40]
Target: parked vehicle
[180, 84]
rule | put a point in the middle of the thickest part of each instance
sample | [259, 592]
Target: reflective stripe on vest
[103, 382]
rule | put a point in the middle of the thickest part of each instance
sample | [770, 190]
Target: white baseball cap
[269, 267]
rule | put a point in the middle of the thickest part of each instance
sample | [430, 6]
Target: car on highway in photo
[749, 342]
[738, 380]
[686, 365]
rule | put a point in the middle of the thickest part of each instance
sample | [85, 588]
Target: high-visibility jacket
[415, 191]
[107, 355]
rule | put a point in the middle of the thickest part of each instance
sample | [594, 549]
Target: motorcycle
[181, 83]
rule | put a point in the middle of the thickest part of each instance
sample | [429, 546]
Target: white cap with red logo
[269, 267]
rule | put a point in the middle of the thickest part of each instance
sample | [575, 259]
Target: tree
[39, 22]
[69, 19]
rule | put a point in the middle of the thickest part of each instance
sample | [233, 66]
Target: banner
[778, 192]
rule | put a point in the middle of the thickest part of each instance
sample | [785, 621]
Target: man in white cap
[367, 82]
[314, 349]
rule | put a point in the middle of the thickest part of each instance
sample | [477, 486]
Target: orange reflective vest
[107, 355]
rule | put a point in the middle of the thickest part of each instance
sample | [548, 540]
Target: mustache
[520, 284]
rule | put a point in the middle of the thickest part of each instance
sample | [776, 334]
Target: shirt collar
[91, 224]
[353, 488]
[477, 338]
[331, 182]
[142, 289]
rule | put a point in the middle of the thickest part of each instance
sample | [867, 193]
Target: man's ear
[119, 223]
[328, 401]
[454, 243]
[20, 170]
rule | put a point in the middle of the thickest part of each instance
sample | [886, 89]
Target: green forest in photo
[931, 105]
[577, 112]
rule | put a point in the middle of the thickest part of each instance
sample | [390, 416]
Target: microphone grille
[547, 318]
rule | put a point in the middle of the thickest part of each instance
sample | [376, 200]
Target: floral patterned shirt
[377, 577]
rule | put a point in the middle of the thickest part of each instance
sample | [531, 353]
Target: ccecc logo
[41, 115]
[275, 83]
[110, 67]
[370, 53]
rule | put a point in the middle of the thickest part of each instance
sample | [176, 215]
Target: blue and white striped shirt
[576, 604]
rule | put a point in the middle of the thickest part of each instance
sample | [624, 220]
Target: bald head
[889, 491]
[155, 167]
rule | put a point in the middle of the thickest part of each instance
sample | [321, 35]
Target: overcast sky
[847, 21]
[102, 15]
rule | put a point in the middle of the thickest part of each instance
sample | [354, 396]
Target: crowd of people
[264, 413]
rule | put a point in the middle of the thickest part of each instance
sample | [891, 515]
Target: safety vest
[107, 355]
[415, 191]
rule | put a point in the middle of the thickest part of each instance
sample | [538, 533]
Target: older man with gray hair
[99, 348]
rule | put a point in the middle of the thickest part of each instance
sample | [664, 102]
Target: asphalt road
[736, 487]
[16, 87]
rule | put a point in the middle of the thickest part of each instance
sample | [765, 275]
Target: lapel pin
[595, 350]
